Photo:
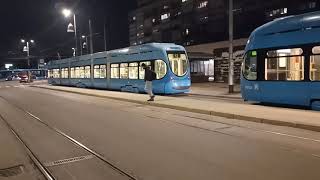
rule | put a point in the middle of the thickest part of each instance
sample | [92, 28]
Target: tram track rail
[44, 170]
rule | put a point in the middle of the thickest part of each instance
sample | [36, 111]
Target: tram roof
[287, 31]
[146, 48]
[126, 51]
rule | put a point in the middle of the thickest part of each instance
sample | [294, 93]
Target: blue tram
[121, 69]
[282, 62]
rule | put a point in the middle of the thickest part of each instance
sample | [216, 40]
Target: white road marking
[67, 161]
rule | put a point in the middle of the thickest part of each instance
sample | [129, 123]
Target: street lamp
[72, 27]
[66, 12]
[74, 52]
[26, 48]
[84, 45]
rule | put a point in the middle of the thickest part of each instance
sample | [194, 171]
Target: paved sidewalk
[304, 119]
[215, 89]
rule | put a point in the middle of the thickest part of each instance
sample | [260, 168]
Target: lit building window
[284, 11]
[165, 16]
[202, 19]
[134, 18]
[153, 20]
[203, 4]
[277, 12]
[312, 5]
[165, 7]
[184, 1]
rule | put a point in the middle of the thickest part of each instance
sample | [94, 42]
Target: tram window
[315, 64]
[133, 70]
[96, 71]
[56, 73]
[285, 65]
[72, 72]
[316, 50]
[87, 72]
[81, 72]
[115, 71]
[77, 72]
[64, 73]
[100, 71]
[49, 73]
[250, 66]
[67, 72]
[285, 52]
[103, 71]
[160, 68]
[141, 70]
[315, 68]
[179, 63]
[124, 71]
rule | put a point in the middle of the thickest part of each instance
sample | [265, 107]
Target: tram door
[284, 78]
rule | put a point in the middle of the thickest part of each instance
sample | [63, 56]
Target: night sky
[42, 21]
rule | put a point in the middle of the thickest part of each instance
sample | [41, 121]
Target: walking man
[149, 76]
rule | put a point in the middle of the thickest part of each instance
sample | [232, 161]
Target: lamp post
[231, 62]
[72, 27]
[26, 48]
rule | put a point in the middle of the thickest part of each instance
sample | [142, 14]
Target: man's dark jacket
[149, 75]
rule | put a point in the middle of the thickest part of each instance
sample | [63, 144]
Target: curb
[216, 96]
[200, 111]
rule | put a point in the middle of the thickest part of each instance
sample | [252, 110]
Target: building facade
[202, 26]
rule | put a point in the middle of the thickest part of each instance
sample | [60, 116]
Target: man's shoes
[151, 99]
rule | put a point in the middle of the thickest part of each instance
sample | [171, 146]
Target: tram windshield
[178, 63]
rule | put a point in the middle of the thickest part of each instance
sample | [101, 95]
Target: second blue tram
[121, 69]
[282, 62]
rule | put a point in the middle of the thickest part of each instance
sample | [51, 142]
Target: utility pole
[231, 61]
[27, 49]
[91, 37]
[28, 53]
[91, 52]
[105, 35]
[75, 33]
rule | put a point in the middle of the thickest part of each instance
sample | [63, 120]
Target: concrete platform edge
[200, 111]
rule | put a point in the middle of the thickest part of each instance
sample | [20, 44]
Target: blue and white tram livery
[121, 69]
[282, 62]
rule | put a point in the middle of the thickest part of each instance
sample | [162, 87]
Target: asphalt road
[129, 141]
